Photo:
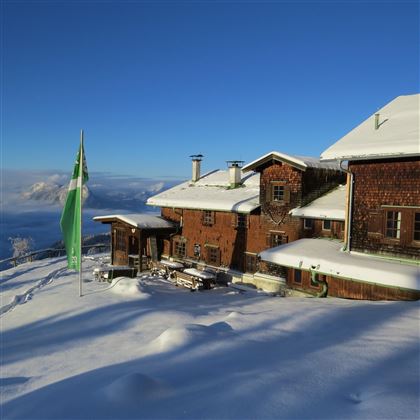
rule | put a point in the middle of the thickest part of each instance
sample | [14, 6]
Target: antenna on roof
[377, 121]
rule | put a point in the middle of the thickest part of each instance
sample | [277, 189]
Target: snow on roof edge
[327, 257]
[138, 220]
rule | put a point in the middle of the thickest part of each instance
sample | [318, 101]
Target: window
[250, 263]
[213, 255]
[208, 218]
[393, 224]
[416, 230]
[120, 244]
[197, 250]
[278, 192]
[297, 276]
[180, 248]
[276, 239]
[308, 223]
[326, 225]
[241, 221]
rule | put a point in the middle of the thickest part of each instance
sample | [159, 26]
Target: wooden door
[120, 247]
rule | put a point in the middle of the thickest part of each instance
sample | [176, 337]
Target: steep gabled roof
[398, 134]
[299, 162]
[212, 192]
[331, 205]
[141, 221]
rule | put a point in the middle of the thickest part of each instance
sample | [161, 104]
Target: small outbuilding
[137, 239]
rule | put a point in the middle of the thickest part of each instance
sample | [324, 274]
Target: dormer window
[278, 192]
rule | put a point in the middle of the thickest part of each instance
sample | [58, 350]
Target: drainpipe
[347, 246]
[324, 291]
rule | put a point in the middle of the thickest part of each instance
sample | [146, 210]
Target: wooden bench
[186, 280]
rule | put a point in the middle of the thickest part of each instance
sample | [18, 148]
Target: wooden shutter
[375, 222]
[269, 193]
[286, 194]
[153, 248]
[268, 240]
[218, 257]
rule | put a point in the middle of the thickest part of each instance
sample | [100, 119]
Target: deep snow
[142, 348]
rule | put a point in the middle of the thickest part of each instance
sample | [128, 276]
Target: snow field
[142, 348]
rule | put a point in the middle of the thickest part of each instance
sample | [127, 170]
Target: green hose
[324, 291]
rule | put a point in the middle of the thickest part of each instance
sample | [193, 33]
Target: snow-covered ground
[142, 348]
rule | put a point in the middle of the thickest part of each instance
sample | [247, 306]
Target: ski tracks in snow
[27, 295]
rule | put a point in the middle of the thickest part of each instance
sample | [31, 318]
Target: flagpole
[81, 206]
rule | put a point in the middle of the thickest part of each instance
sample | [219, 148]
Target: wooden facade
[233, 240]
[347, 288]
[386, 207]
[136, 246]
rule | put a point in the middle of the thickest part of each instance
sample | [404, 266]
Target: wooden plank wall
[342, 288]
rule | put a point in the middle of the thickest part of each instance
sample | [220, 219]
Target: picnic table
[166, 268]
[195, 279]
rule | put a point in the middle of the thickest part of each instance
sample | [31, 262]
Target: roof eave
[369, 157]
[272, 157]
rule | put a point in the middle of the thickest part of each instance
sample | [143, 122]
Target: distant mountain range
[32, 203]
[95, 197]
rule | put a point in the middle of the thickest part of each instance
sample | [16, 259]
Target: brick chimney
[235, 169]
[196, 167]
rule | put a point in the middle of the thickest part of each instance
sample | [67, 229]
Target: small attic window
[278, 192]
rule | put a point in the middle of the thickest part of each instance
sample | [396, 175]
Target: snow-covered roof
[327, 258]
[212, 192]
[300, 162]
[398, 133]
[141, 221]
[331, 205]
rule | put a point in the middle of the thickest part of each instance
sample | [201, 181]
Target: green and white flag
[71, 217]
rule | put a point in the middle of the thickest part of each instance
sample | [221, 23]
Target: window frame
[180, 243]
[323, 225]
[285, 196]
[284, 239]
[416, 229]
[305, 220]
[277, 193]
[207, 218]
[395, 229]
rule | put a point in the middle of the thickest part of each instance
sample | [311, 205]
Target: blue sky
[152, 82]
